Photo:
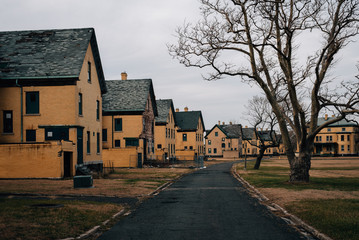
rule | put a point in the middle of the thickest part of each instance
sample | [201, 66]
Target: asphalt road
[208, 204]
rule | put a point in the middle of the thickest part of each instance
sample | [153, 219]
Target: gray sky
[132, 37]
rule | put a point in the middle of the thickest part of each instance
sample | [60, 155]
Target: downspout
[21, 109]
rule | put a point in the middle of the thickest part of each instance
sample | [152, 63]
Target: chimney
[177, 109]
[123, 76]
[326, 117]
[223, 123]
[186, 109]
[219, 122]
[333, 116]
[246, 126]
[230, 123]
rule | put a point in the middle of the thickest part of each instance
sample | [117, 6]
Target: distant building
[340, 138]
[51, 86]
[165, 130]
[189, 134]
[129, 111]
[224, 141]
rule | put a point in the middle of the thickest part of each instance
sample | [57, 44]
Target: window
[341, 137]
[7, 122]
[32, 103]
[342, 148]
[209, 150]
[89, 72]
[191, 147]
[209, 142]
[348, 148]
[98, 143]
[348, 138]
[57, 133]
[88, 142]
[30, 135]
[329, 129]
[97, 110]
[330, 138]
[132, 142]
[117, 143]
[320, 138]
[184, 137]
[316, 138]
[185, 147]
[229, 145]
[216, 134]
[104, 135]
[159, 146]
[223, 145]
[118, 124]
[80, 104]
[223, 139]
[343, 129]
[214, 150]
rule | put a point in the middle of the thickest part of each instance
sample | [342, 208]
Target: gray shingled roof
[128, 96]
[163, 108]
[341, 123]
[232, 130]
[47, 54]
[188, 121]
[247, 133]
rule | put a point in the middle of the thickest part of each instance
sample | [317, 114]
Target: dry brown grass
[123, 183]
[338, 167]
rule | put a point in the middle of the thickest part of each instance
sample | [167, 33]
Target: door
[80, 146]
[67, 164]
[139, 160]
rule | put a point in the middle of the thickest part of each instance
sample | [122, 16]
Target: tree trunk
[300, 166]
[259, 158]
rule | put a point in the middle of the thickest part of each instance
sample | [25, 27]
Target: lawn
[329, 202]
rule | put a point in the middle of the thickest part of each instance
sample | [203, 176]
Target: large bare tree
[259, 41]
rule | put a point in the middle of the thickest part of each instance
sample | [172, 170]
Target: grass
[277, 177]
[19, 219]
[338, 218]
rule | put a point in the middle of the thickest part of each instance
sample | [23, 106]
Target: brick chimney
[186, 109]
[326, 117]
[177, 109]
[219, 122]
[123, 76]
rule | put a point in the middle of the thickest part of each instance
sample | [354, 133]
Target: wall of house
[216, 142]
[194, 140]
[36, 160]
[165, 136]
[122, 157]
[91, 93]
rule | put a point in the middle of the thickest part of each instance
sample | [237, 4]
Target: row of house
[58, 112]
[230, 141]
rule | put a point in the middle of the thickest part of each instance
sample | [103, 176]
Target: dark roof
[247, 133]
[128, 96]
[188, 121]
[47, 54]
[163, 108]
[266, 135]
[230, 130]
[340, 123]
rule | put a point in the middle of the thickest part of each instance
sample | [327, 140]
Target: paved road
[208, 204]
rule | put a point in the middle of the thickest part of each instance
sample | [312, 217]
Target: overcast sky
[132, 37]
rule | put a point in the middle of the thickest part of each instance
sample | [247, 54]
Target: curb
[305, 229]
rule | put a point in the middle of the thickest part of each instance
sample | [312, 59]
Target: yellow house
[129, 111]
[251, 142]
[189, 134]
[340, 138]
[165, 130]
[51, 86]
[224, 141]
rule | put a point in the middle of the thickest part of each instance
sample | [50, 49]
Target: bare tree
[258, 41]
[259, 112]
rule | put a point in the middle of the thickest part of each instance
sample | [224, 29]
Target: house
[340, 138]
[129, 111]
[189, 134]
[51, 86]
[224, 141]
[165, 130]
[251, 140]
